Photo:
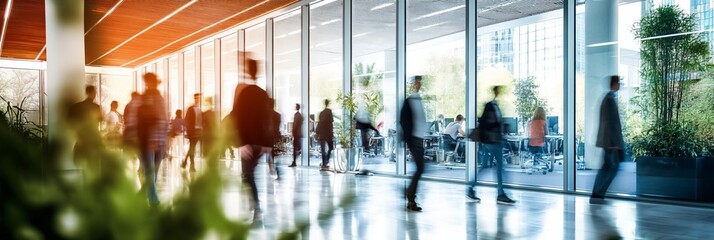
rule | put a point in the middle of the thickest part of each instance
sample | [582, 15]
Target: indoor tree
[527, 99]
[673, 56]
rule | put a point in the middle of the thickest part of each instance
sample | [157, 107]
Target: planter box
[348, 159]
[684, 178]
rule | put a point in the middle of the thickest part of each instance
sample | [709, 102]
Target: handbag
[474, 135]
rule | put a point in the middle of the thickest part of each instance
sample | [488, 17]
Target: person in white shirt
[455, 129]
[113, 125]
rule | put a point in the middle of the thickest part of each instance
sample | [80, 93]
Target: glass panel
[208, 79]
[374, 79]
[436, 50]
[115, 88]
[652, 119]
[174, 85]
[189, 78]
[229, 72]
[255, 49]
[160, 73]
[526, 58]
[21, 88]
[325, 65]
[287, 69]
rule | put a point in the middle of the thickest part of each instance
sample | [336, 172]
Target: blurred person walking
[277, 139]
[252, 119]
[297, 134]
[490, 130]
[209, 121]
[325, 134]
[85, 117]
[609, 137]
[113, 122]
[194, 130]
[412, 119]
[131, 124]
[152, 132]
[176, 131]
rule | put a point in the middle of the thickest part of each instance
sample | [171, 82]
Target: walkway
[378, 210]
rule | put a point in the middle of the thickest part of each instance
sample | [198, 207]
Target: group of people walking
[252, 126]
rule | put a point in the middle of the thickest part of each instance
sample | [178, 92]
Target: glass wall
[174, 96]
[287, 62]
[436, 51]
[325, 65]
[21, 88]
[523, 52]
[527, 58]
[208, 79]
[114, 88]
[374, 65]
[229, 72]
[255, 49]
[189, 79]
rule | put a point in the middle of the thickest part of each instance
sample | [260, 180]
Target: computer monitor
[447, 121]
[510, 125]
[552, 124]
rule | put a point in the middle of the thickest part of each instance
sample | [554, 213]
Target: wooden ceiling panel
[192, 25]
[130, 18]
[95, 10]
[25, 33]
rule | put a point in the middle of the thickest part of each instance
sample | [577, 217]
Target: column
[305, 83]
[601, 61]
[64, 26]
[401, 80]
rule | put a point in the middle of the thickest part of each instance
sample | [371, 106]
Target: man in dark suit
[85, 117]
[490, 127]
[325, 134]
[194, 130]
[297, 134]
[252, 118]
[609, 137]
[412, 119]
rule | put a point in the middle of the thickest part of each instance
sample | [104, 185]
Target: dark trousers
[608, 171]
[249, 155]
[191, 154]
[297, 148]
[326, 154]
[416, 148]
[494, 150]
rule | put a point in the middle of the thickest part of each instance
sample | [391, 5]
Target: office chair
[539, 160]
[451, 146]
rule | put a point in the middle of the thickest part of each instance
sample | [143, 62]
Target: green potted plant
[347, 154]
[670, 157]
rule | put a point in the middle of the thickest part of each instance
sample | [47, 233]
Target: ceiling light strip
[105, 16]
[439, 12]
[381, 6]
[88, 30]
[41, 51]
[200, 30]
[4, 24]
[146, 29]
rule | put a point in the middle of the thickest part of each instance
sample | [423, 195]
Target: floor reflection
[308, 197]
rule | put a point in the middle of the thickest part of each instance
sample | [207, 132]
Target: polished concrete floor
[306, 195]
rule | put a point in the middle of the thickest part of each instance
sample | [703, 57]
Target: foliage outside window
[673, 58]
[527, 99]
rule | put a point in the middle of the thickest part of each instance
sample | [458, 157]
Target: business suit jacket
[297, 125]
[490, 124]
[610, 132]
[324, 126]
[252, 116]
[191, 117]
